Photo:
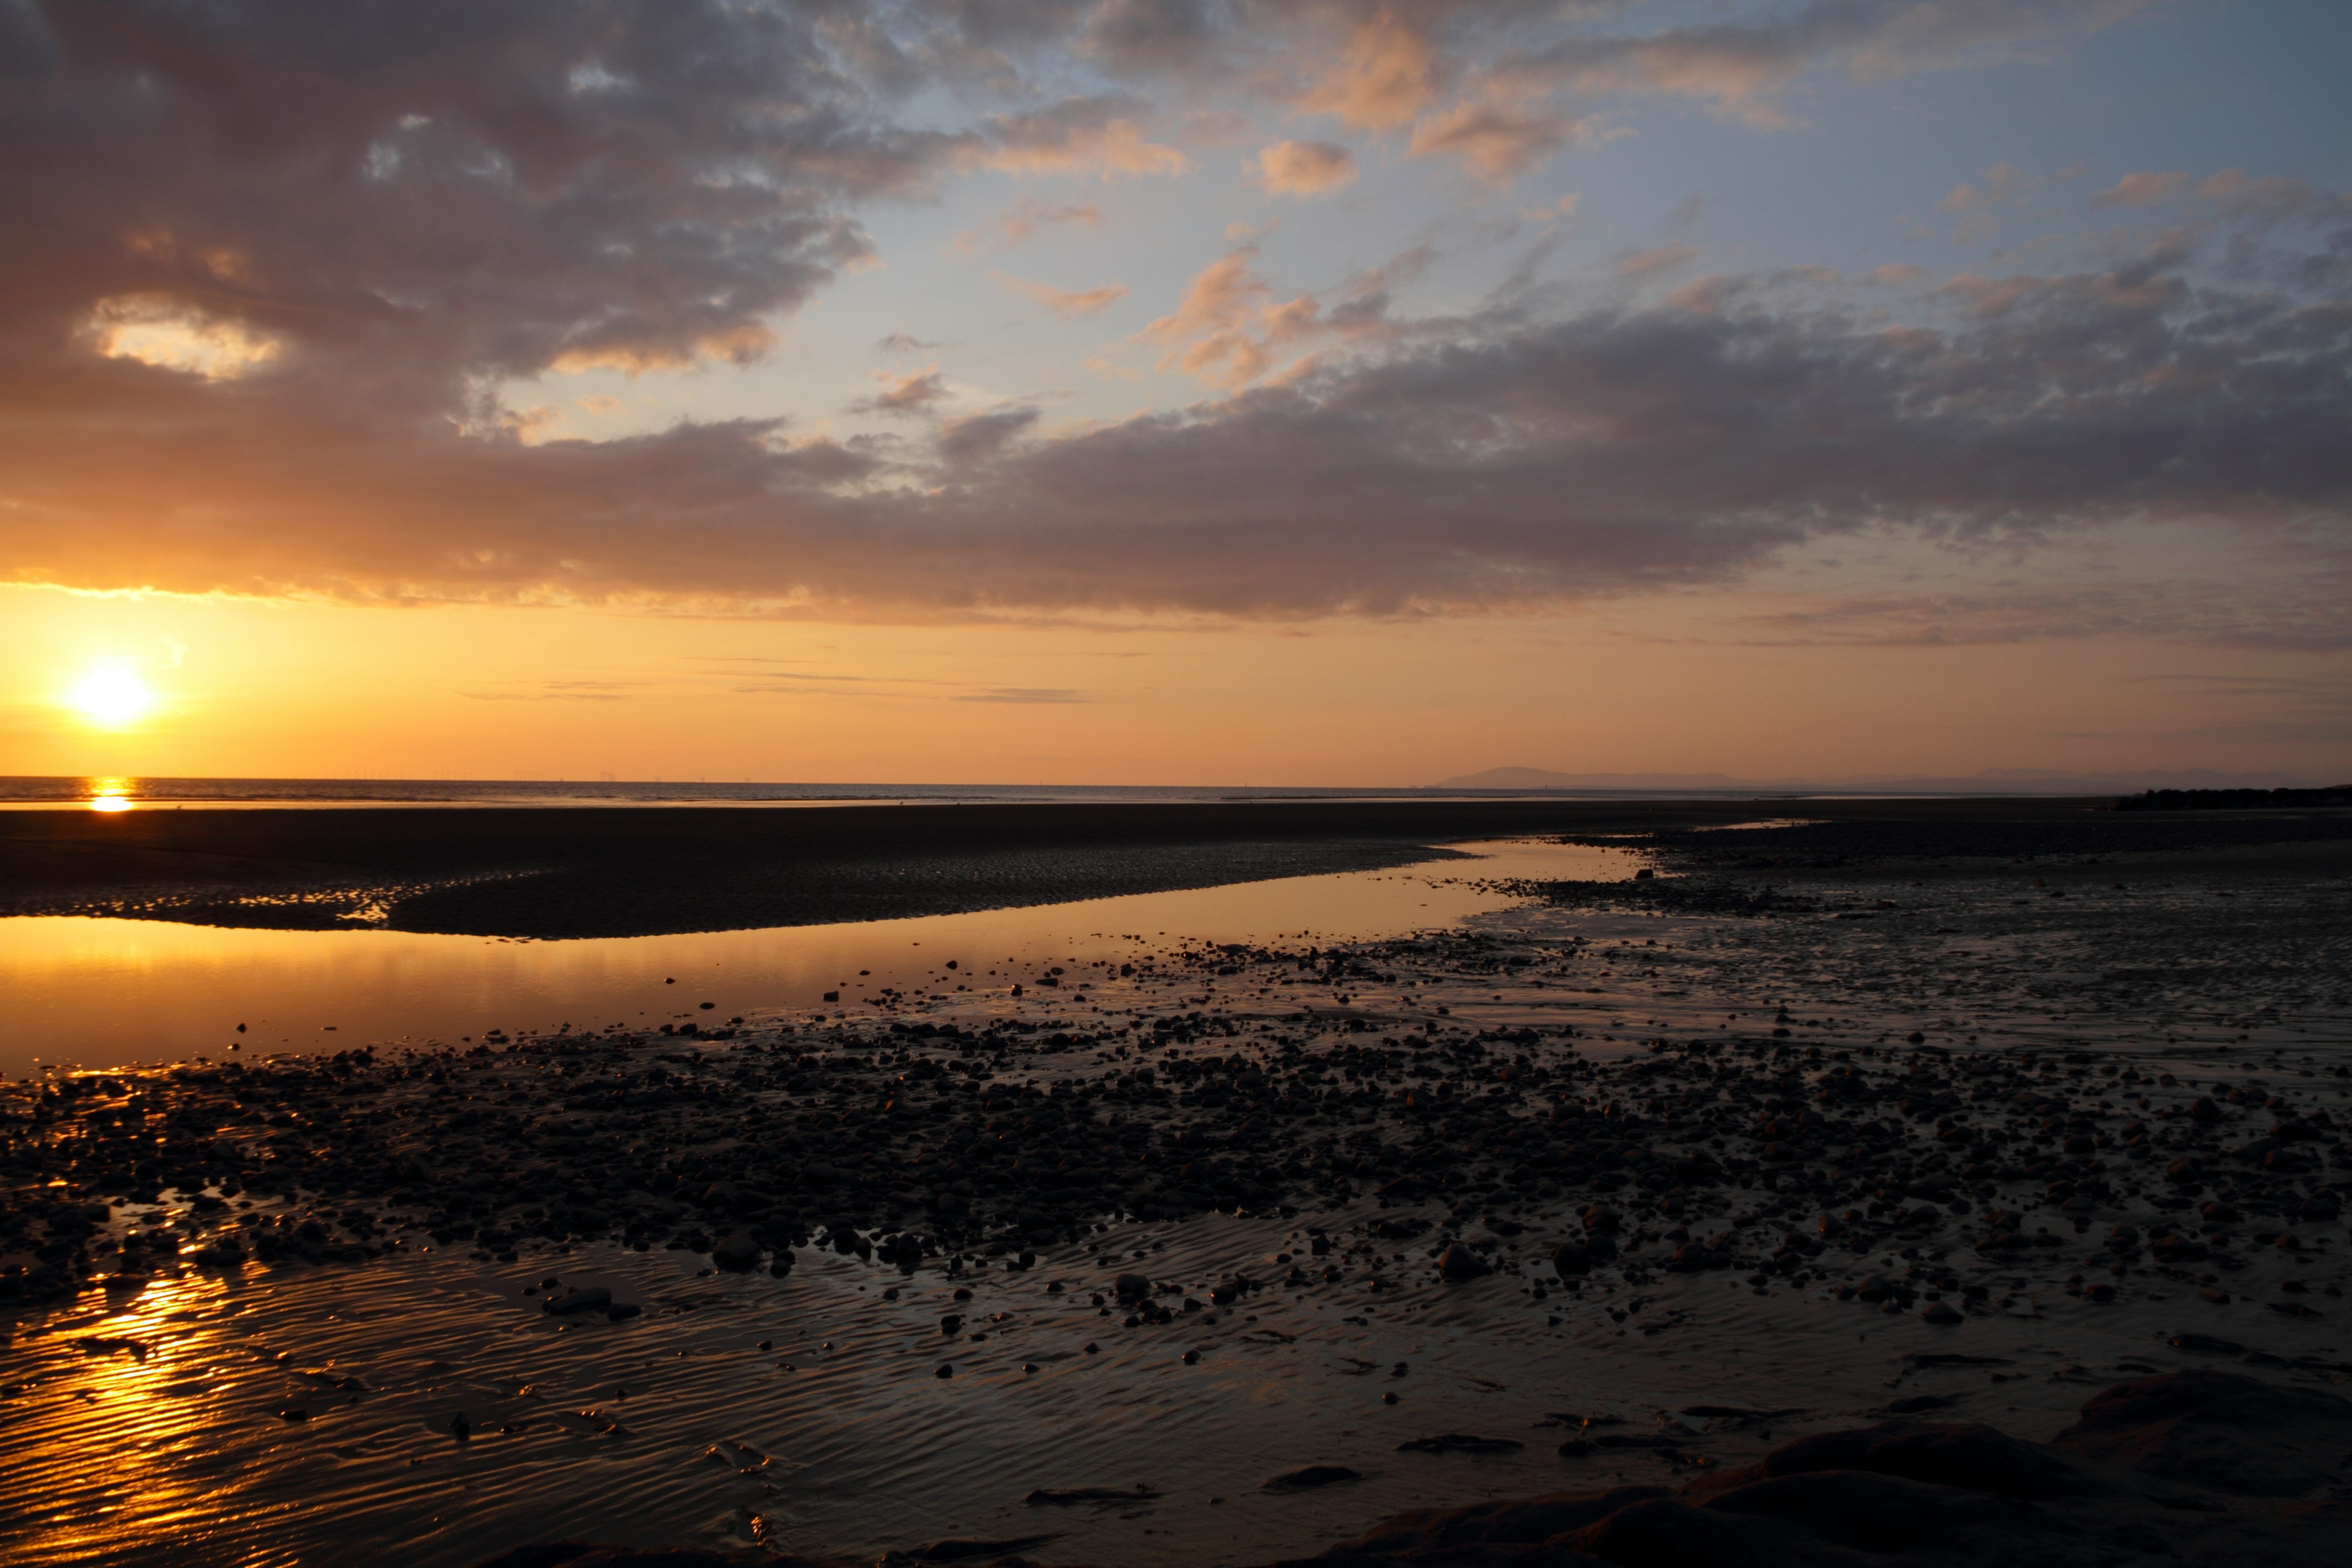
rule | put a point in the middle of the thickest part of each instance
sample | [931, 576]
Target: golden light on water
[110, 794]
[111, 696]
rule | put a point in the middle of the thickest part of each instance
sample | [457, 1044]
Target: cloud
[157, 330]
[1483, 462]
[1304, 168]
[1388, 72]
[1150, 36]
[1739, 67]
[982, 436]
[1495, 141]
[1565, 207]
[1650, 263]
[287, 256]
[1099, 136]
[562, 692]
[1016, 224]
[1021, 694]
[1066, 303]
[1230, 330]
[2141, 190]
[915, 392]
[2272, 200]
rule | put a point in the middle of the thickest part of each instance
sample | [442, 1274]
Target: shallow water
[109, 993]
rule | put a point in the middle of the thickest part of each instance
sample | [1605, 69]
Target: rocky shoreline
[1756, 1150]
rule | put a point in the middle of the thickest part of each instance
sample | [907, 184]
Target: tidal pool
[109, 993]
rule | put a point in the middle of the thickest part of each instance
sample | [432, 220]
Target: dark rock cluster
[1756, 1153]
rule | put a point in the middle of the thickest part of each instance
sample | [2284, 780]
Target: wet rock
[1817, 1520]
[1063, 1495]
[2219, 1429]
[968, 1549]
[1528, 1520]
[738, 1250]
[1460, 1263]
[1308, 1477]
[583, 1554]
[1460, 1443]
[579, 1298]
[1131, 1287]
[1974, 1457]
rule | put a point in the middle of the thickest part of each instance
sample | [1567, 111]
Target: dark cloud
[263, 261]
[418, 195]
[1741, 64]
[983, 434]
[914, 393]
[1500, 461]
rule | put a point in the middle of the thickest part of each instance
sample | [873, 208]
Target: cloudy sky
[1188, 391]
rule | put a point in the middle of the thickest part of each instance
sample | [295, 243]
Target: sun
[111, 696]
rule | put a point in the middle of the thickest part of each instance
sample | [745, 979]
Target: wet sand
[1754, 1150]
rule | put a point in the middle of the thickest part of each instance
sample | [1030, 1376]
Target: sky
[1277, 391]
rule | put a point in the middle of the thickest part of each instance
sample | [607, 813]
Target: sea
[82, 792]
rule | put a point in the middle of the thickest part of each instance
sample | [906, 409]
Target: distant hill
[1991, 781]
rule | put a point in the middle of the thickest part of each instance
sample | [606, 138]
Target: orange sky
[252, 689]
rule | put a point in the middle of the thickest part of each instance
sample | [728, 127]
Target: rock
[1822, 1520]
[736, 1250]
[1460, 1263]
[965, 1548]
[1941, 1313]
[1131, 1287]
[1530, 1521]
[1308, 1477]
[1975, 1458]
[2218, 1429]
[579, 1298]
[1571, 1258]
[1063, 1495]
[1460, 1443]
[583, 1554]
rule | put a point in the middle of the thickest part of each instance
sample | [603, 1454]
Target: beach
[1921, 1113]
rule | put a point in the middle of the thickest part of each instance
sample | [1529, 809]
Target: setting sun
[111, 696]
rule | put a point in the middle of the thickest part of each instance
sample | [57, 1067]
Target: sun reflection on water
[109, 794]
